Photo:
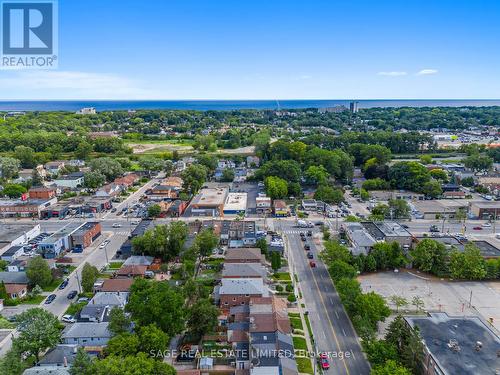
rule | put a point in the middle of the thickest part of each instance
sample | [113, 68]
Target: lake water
[204, 105]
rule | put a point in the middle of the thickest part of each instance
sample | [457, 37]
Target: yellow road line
[326, 310]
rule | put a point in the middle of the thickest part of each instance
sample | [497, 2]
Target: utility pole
[470, 299]
[78, 282]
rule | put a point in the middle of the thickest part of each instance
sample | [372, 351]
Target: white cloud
[72, 84]
[392, 74]
[426, 72]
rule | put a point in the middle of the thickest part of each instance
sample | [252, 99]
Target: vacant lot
[451, 297]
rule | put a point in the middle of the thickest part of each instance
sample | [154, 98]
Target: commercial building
[456, 345]
[437, 209]
[364, 235]
[263, 204]
[235, 204]
[24, 208]
[485, 209]
[280, 208]
[209, 202]
[60, 241]
[42, 192]
[84, 236]
[17, 234]
[12, 253]
[309, 205]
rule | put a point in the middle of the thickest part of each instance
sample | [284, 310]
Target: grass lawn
[304, 365]
[115, 265]
[33, 300]
[5, 324]
[293, 315]
[299, 343]
[53, 285]
[282, 276]
[75, 308]
[296, 323]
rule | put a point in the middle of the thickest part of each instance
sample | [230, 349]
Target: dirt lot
[451, 297]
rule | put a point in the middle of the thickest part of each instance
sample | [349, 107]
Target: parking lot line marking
[343, 332]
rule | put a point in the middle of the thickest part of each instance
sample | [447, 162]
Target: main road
[332, 329]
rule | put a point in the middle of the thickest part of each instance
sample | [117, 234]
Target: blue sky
[186, 49]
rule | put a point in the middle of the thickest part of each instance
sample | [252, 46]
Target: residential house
[253, 161]
[109, 190]
[94, 313]
[16, 284]
[71, 181]
[18, 265]
[111, 299]
[86, 334]
[132, 271]
[60, 356]
[127, 180]
[234, 292]
[243, 255]
[138, 260]
[115, 285]
[54, 167]
[243, 270]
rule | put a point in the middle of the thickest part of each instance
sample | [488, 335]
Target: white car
[116, 225]
[68, 318]
[103, 245]
[486, 225]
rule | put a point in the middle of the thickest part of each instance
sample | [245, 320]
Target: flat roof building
[236, 203]
[457, 345]
[209, 202]
[17, 234]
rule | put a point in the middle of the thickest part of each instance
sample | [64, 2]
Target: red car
[312, 264]
[323, 360]
[477, 228]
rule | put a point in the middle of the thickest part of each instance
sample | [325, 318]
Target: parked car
[113, 209]
[486, 225]
[309, 233]
[103, 245]
[478, 228]
[64, 284]
[50, 299]
[68, 318]
[312, 264]
[433, 229]
[307, 247]
[72, 294]
[310, 255]
[323, 359]
[116, 225]
[82, 299]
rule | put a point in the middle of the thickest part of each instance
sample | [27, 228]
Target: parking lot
[451, 297]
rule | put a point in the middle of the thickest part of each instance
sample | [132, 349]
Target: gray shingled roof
[78, 330]
[242, 286]
[243, 270]
[14, 277]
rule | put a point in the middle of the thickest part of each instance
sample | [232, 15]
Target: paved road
[332, 329]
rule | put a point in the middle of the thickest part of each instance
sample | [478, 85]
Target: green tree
[430, 256]
[9, 167]
[89, 277]
[379, 351]
[82, 364]
[123, 344]
[316, 175]
[335, 251]
[262, 245]
[12, 363]
[432, 189]
[390, 367]
[399, 301]
[150, 163]
[13, 190]
[328, 194]
[340, 269]
[440, 174]
[399, 208]
[3, 291]
[119, 322]
[93, 179]
[376, 184]
[26, 156]
[408, 343]
[202, 317]
[228, 175]
[206, 241]
[108, 167]
[276, 187]
[194, 177]
[140, 364]
[164, 241]
[152, 339]
[38, 272]
[468, 265]
[83, 150]
[409, 175]
[208, 161]
[418, 302]
[157, 303]
[426, 159]
[478, 163]
[154, 210]
[275, 261]
[38, 331]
